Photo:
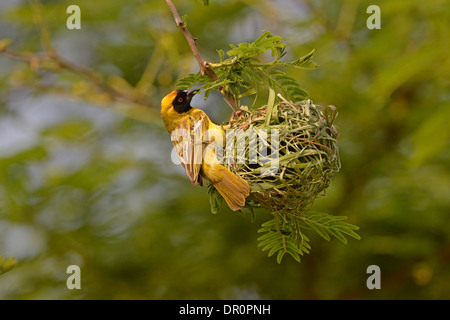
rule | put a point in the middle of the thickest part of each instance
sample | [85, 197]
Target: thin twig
[18, 55]
[37, 59]
[43, 29]
[204, 65]
[49, 59]
[88, 74]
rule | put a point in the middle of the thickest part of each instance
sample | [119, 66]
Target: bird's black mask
[182, 102]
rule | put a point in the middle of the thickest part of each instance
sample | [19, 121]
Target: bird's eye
[180, 99]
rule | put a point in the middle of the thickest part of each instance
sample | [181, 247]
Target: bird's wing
[187, 140]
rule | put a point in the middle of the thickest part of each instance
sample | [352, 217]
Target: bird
[193, 136]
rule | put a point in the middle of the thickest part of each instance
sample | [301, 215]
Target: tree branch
[126, 102]
[118, 101]
[37, 59]
[204, 65]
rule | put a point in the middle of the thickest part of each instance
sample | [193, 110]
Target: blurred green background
[85, 185]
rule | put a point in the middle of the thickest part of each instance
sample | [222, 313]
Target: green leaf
[245, 73]
[293, 254]
[319, 229]
[215, 199]
[304, 62]
[221, 55]
[326, 225]
[279, 246]
[281, 240]
[265, 42]
[185, 20]
[338, 235]
[288, 86]
[270, 104]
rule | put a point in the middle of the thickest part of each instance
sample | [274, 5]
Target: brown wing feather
[187, 140]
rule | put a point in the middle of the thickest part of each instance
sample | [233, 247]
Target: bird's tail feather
[233, 189]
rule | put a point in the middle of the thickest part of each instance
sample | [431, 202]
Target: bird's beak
[191, 93]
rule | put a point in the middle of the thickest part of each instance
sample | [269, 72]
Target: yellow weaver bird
[190, 130]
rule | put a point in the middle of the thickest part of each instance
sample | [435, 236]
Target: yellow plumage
[193, 134]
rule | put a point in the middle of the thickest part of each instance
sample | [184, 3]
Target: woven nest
[308, 157]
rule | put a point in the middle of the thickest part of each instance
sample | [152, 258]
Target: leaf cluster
[282, 239]
[242, 71]
[285, 234]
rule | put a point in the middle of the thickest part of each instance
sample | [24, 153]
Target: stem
[18, 55]
[121, 103]
[204, 65]
[40, 22]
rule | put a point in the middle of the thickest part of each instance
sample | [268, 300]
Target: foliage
[283, 239]
[284, 234]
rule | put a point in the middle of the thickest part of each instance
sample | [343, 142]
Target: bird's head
[180, 100]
